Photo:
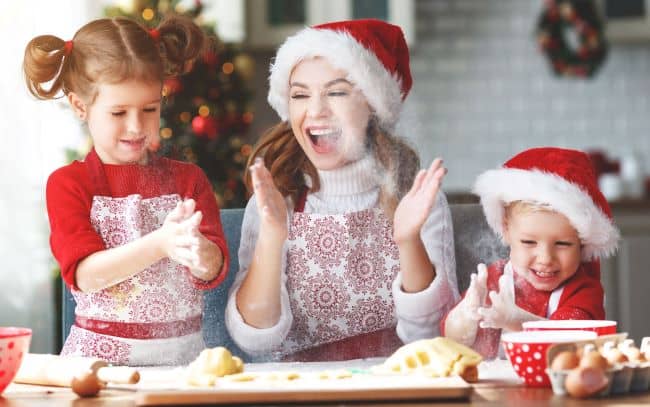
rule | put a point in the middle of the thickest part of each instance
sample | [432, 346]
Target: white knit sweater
[349, 189]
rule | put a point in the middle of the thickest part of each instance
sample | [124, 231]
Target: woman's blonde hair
[111, 50]
[288, 163]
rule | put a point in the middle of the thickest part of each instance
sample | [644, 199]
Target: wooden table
[498, 387]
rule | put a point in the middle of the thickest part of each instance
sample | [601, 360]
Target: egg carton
[621, 377]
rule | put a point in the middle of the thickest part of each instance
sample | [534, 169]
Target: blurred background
[491, 78]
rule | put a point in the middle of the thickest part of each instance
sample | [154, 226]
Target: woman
[346, 250]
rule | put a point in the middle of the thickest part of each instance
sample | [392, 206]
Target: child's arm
[258, 298]
[462, 323]
[108, 267]
[504, 312]
[417, 270]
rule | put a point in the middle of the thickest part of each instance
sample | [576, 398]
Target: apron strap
[97, 174]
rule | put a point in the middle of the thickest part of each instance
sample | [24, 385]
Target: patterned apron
[340, 269]
[153, 317]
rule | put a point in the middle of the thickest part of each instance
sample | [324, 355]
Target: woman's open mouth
[324, 139]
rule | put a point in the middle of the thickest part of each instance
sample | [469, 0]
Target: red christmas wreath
[560, 16]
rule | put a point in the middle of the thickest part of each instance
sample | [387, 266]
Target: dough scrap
[211, 364]
[437, 357]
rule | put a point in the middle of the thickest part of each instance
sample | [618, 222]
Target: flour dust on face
[124, 120]
[545, 248]
[328, 115]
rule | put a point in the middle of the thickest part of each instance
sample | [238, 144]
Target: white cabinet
[626, 276]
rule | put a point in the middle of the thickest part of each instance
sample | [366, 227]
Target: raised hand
[463, 322]
[270, 202]
[504, 312]
[476, 296]
[414, 208]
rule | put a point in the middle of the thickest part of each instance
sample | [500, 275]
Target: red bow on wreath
[555, 22]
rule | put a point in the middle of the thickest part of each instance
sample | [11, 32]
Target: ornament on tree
[172, 86]
[558, 21]
[203, 111]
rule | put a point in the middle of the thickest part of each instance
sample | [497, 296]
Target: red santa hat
[372, 52]
[560, 178]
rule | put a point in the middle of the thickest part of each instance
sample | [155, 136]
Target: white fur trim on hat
[342, 51]
[499, 187]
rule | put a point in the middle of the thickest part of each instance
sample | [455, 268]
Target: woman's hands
[270, 203]
[414, 208]
[412, 212]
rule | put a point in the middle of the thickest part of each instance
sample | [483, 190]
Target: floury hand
[463, 322]
[504, 312]
[415, 207]
[270, 203]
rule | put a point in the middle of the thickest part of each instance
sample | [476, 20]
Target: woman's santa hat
[372, 52]
[562, 179]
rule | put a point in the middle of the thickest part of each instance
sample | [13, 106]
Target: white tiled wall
[482, 91]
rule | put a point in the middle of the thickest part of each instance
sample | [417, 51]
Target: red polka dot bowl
[526, 351]
[14, 343]
[600, 326]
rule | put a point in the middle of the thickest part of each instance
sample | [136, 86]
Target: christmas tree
[205, 112]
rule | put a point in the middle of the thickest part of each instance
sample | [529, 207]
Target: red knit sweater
[69, 196]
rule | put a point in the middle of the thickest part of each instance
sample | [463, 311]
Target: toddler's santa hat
[372, 52]
[560, 178]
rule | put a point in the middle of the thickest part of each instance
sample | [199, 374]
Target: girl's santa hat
[562, 179]
[372, 52]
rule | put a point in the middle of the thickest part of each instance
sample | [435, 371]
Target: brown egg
[633, 354]
[86, 384]
[615, 356]
[584, 381]
[565, 360]
[594, 359]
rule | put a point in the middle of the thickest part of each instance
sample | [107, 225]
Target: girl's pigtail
[181, 41]
[44, 62]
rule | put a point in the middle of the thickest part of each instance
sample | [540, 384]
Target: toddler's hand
[476, 295]
[414, 208]
[504, 312]
[270, 202]
[466, 317]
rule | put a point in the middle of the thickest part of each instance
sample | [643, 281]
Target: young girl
[138, 237]
[346, 249]
[546, 205]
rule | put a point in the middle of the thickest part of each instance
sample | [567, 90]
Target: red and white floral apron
[340, 270]
[152, 318]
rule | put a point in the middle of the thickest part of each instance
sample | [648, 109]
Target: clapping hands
[183, 241]
[503, 312]
[464, 323]
[270, 203]
[415, 207]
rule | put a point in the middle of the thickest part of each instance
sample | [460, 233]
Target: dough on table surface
[211, 364]
[438, 357]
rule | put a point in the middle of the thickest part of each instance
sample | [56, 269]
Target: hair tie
[155, 34]
[67, 48]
